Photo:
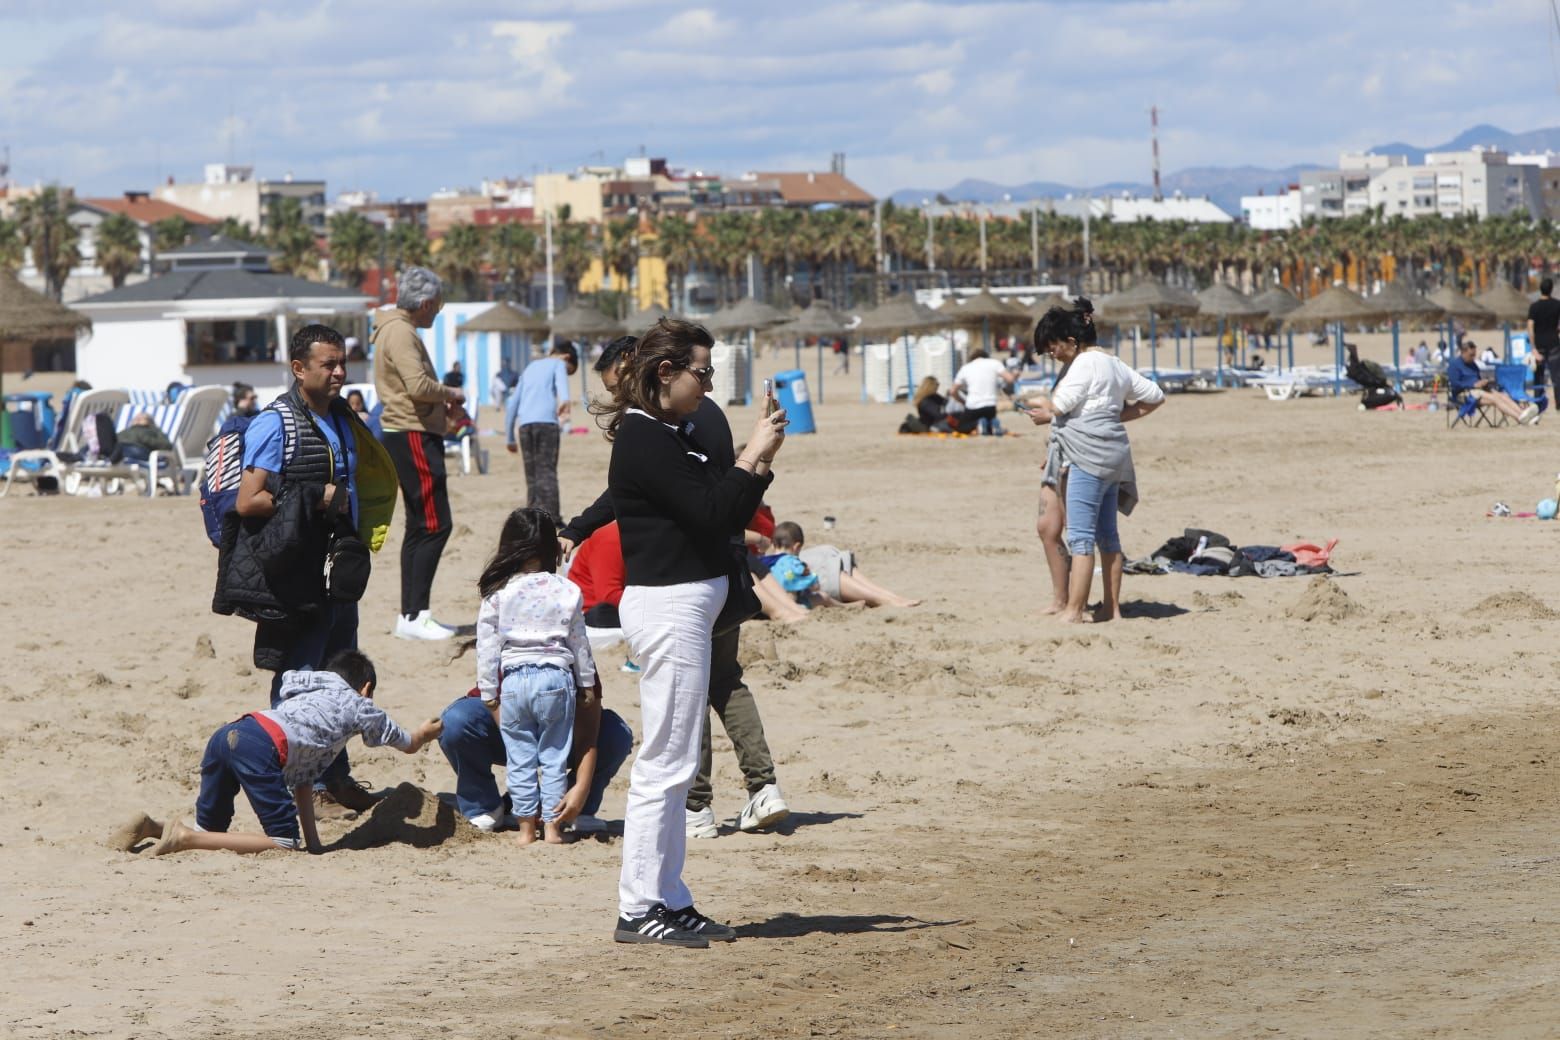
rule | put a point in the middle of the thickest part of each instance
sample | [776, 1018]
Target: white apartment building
[1480, 181]
[1272, 212]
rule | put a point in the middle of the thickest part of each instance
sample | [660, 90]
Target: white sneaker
[701, 824]
[1529, 414]
[487, 823]
[421, 627]
[588, 825]
[764, 809]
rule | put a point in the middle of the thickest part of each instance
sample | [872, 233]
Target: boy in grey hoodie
[276, 756]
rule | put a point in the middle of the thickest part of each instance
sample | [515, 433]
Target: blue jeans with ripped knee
[1091, 514]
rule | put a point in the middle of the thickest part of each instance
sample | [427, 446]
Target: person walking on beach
[729, 696]
[413, 417]
[1098, 396]
[533, 422]
[679, 514]
[1544, 334]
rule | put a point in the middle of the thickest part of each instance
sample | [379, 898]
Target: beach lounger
[27, 466]
[1300, 382]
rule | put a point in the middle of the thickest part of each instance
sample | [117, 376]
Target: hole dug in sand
[408, 815]
[1324, 601]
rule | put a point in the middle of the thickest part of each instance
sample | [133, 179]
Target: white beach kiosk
[205, 324]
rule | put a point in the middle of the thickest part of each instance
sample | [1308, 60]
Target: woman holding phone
[677, 514]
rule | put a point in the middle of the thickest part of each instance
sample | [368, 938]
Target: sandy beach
[1287, 807]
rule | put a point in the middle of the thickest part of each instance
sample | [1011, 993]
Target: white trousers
[668, 628]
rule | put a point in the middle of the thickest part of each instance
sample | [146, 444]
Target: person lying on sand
[275, 757]
[838, 576]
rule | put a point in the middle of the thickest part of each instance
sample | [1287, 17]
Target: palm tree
[729, 242]
[512, 251]
[354, 245]
[118, 245]
[13, 250]
[775, 241]
[620, 250]
[575, 249]
[171, 233]
[677, 244]
[297, 251]
[238, 230]
[408, 246]
[459, 259]
[50, 236]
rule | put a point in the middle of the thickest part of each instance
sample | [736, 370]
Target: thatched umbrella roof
[29, 315]
[1278, 302]
[900, 314]
[504, 317]
[639, 321]
[982, 307]
[1148, 298]
[1400, 303]
[819, 319]
[1221, 301]
[746, 313]
[579, 320]
[1334, 305]
[1037, 310]
[1505, 303]
[1456, 305]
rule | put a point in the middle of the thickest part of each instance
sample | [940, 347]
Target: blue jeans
[335, 630]
[1091, 513]
[242, 756]
[536, 717]
[473, 745]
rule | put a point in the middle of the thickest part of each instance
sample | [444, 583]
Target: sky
[407, 98]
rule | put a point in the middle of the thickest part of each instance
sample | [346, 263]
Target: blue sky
[405, 98]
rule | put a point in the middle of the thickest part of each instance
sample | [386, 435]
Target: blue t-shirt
[264, 443]
[1462, 375]
[544, 385]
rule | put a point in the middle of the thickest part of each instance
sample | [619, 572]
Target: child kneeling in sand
[276, 756]
[532, 647]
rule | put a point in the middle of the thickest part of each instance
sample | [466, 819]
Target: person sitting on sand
[931, 407]
[276, 756]
[1463, 379]
[838, 576]
[531, 642]
[978, 386]
[801, 583]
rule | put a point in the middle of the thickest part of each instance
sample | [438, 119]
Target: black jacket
[678, 509]
[711, 432]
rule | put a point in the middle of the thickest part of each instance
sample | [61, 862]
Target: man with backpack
[298, 491]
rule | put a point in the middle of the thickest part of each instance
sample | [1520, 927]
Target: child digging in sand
[532, 649]
[276, 756]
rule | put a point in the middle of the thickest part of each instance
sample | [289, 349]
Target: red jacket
[598, 569]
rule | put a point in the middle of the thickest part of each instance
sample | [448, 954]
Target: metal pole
[820, 370]
[1178, 343]
[882, 260]
[1505, 329]
[1338, 361]
[931, 245]
[1218, 352]
[547, 224]
[1397, 377]
[982, 222]
[1034, 240]
[1291, 350]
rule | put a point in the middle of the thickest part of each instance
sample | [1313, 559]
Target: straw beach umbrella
[1148, 300]
[984, 311]
[1400, 303]
[27, 317]
[1509, 307]
[505, 317]
[1337, 307]
[1457, 307]
[1278, 301]
[750, 316]
[820, 320]
[1224, 303]
[900, 316]
[639, 321]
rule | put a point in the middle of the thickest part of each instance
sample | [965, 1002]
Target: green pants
[733, 702]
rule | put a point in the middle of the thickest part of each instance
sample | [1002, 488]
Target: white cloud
[534, 46]
[937, 82]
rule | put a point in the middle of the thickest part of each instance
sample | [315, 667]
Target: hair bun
[1083, 305]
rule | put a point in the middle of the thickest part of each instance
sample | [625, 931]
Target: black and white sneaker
[658, 926]
[690, 920]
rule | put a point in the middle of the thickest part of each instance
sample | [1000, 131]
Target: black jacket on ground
[677, 508]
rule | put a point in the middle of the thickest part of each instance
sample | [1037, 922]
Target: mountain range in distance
[1225, 185]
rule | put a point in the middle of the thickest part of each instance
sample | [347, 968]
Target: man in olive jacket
[414, 421]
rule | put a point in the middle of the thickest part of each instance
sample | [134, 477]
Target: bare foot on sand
[1101, 614]
[554, 834]
[174, 835]
[136, 830]
[900, 601]
[1054, 608]
[527, 833]
[1068, 617]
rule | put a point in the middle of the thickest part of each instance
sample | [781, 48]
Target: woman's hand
[768, 436]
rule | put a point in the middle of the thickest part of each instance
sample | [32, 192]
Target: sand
[1254, 807]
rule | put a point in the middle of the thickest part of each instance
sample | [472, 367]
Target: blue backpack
[225, 466]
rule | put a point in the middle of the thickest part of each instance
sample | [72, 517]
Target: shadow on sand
[789, 926]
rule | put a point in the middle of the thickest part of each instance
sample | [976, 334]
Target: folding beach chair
[1466, 411]
[1513, 378]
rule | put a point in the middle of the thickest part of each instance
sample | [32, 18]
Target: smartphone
[769, 397]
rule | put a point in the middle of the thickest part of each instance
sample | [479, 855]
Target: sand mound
[411, 816]
[1512, 605]
[1324, 601]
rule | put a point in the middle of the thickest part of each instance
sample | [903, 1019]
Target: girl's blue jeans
[1091, 514]
[536, 718]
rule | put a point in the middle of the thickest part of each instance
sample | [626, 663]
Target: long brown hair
[639, 384]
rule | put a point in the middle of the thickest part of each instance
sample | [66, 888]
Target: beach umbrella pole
[820, 370]
[1191, 349]
[1397, 377]
[1218, 353]
[1291, 350]
[1505, 328]
[1338, 361]
[1178, 343]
